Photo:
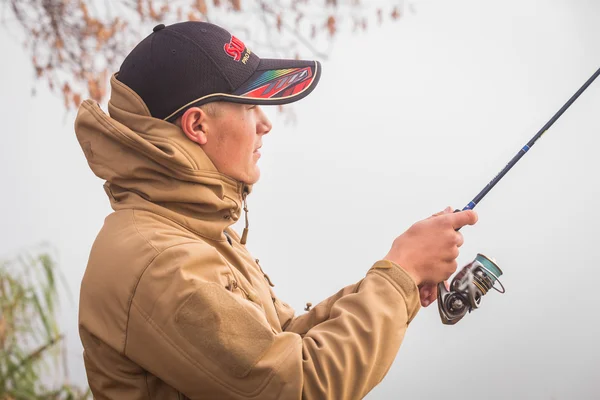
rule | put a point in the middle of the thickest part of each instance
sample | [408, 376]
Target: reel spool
[467, 288]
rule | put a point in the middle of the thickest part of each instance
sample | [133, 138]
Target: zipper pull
[233, 284]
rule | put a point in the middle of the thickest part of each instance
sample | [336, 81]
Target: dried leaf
[200, 5]
[236, 5]
[140, 9]
[152, 12]
[331, 25]
[93, 89]
[396, 14]
[84, 9]
[192, 17]
[76, 99]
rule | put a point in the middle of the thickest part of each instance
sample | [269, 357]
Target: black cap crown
[192, 63]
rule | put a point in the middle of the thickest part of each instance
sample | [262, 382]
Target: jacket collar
[149, 164]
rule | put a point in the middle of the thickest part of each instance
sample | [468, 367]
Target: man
[172, 304]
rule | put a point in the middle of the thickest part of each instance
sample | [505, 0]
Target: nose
[263, 123]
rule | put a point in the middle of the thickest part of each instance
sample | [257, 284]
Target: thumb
[447, 210]
[462, 218]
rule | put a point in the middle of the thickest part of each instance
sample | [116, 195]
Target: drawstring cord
[263, 272]
[245, 233]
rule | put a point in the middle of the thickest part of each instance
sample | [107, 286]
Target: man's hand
[428, 293]
[427, 251]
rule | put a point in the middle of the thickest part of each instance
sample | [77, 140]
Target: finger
[462, 218]
[451, 255]
[451, 267]
[433, 295]
[429, 294]
[460, 240]
[446, 210]
[432, 299]
[424, 294]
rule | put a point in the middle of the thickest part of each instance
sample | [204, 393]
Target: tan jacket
[172, 304]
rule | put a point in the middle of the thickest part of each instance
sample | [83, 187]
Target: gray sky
[407, 119]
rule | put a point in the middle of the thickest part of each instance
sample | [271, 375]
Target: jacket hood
[149, 164]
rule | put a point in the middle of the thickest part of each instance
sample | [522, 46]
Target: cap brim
[273, 82]
[280, 82]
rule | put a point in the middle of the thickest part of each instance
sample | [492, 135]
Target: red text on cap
[234, 48]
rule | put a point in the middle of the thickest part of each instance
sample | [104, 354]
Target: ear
[194, 125]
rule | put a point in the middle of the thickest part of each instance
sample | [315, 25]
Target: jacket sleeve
[192, 331]
[318, 314]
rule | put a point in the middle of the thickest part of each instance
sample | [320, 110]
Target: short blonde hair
[211, 109]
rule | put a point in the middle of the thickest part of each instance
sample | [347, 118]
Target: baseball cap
[192, 63]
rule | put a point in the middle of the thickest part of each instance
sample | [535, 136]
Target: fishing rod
[479, 276]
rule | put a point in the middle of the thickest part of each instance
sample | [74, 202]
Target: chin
[253, 177]
[253, 180]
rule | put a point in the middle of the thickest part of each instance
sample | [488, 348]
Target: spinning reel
[467, 288]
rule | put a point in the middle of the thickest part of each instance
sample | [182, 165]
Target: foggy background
[408, 118]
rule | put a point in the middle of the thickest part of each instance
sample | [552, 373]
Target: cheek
[248, 142]
[238, 146]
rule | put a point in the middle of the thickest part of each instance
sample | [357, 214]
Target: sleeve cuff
[402, 281]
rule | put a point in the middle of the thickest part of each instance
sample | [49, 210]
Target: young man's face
[232, 134]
